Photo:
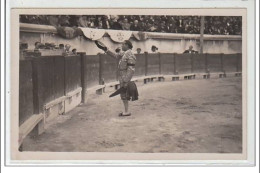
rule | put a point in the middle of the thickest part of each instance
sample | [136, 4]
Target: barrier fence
[44, 79]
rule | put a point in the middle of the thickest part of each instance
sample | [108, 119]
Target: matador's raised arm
[102, 46]
[115, 55]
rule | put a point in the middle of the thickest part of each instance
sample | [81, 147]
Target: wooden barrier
[108, 69]
[214, 62]
[239, 62]
[45, 80]
[229, 62]
[199, 65]
[140, 65]
[72, 73]
[167, 63]
[183, 63]
[26, 104]
[92, 73]
[83, 76]
[51, 86]
[153, 64]
[146, 64]
[47, 86]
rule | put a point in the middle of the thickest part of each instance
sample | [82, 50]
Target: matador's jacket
[126, 67]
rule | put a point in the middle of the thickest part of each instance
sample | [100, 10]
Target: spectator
[142, 24]
[237, 31]
[118, 50]
[92, 22]
[226, 25]
[53, 20]
[74, 51]
[138, 50]
[37, 45]
[105, 21]
[115, 25]
[162, 27]
[49, 46]
[24, 19]
[61, 46]
[125, 24]
[23, 46]
[135, 26]
[100, 25]
[151, 27]
[154, 49]
[83, 22]
[42, 19]
[63, 20]
[74, 20]
[190, 50]
[67, 48]
[97, 20]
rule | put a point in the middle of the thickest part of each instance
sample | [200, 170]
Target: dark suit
[190, 51]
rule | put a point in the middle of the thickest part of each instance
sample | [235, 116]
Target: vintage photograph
[131, 83]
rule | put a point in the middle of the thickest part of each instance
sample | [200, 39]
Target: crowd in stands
[50, 46]
[215, 25]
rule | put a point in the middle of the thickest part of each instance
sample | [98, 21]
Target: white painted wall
[83, 44]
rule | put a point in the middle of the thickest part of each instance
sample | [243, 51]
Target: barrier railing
[56, 84]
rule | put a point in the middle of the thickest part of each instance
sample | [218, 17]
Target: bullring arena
[188, 103]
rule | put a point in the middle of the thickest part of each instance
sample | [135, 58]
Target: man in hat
[138, 50]
[154, 49]
[126, 69]
[190, 50]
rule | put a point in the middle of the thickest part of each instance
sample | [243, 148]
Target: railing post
[101, 69]
[83, 76]
[174, 63]
[65, 75]
[39, 128]
[222, 62]
[35, 83]
[238, 59]
[160, 63]
[146, 63]
[192, 63]
[206, 63]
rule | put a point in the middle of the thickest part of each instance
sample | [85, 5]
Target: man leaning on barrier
[126, 69]
[190, 50]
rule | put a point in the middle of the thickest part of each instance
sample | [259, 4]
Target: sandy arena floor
[195, 116]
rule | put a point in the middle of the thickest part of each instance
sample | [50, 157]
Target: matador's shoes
[123, 115]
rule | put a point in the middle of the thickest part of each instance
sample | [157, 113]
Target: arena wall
[166, 42]
[53, 85]
[50, 83]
